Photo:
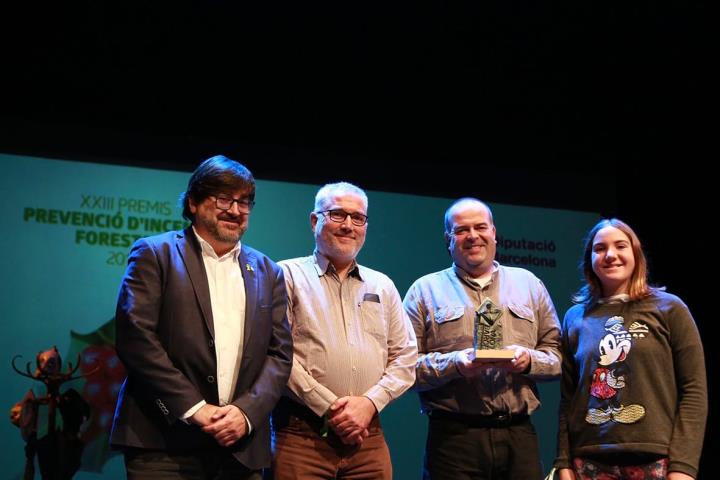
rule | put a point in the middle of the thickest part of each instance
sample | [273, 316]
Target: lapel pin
[249, 268]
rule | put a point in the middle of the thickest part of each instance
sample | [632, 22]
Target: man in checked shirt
[355, 350]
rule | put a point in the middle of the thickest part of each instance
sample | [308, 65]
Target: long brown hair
[639, 287]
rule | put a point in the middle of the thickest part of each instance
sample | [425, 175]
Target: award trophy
[487, 338]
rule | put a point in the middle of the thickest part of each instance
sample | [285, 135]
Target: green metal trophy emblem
[488, 333]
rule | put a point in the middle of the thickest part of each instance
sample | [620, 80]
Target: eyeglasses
[225, 203]
[339, 215]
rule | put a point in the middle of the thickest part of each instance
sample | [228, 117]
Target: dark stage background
[577, 105]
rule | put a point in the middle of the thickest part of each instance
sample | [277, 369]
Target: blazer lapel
[248, 265]
[190, 252]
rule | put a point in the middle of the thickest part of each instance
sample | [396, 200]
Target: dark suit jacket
[165, 338]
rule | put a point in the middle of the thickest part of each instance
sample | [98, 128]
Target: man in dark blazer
[202, 329]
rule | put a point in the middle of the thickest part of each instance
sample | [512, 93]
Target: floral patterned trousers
[591, 470]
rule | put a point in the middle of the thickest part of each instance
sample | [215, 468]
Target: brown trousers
[302, 451]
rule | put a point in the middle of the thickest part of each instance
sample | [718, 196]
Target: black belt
[287, 408]
[496, 420]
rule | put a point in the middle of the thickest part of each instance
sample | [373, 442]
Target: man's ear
[313, 220]
[192, 205]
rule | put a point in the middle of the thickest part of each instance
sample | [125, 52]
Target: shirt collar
[207, 249]
[619, 298]
[465, 276]
[323, 266]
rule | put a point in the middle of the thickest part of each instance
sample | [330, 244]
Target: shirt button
[211, 379]
[354, 369]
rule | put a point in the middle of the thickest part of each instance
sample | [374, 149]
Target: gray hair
[337, 189]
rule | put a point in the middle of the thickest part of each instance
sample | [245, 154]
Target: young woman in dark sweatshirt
[634, 391]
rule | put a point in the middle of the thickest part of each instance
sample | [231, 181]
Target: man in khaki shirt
[355, 350]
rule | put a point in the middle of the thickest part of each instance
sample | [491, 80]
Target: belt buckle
[504, 417]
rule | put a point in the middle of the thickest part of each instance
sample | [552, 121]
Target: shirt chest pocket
[522, 328]
[447, 326]
[373, 317]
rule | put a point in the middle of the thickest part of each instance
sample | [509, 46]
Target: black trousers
[464, 447]
[213, 464]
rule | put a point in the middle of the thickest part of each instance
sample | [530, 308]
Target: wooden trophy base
[494, 355]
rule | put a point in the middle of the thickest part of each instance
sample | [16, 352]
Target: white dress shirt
[227, 298]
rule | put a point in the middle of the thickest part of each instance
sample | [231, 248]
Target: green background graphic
[67, 231]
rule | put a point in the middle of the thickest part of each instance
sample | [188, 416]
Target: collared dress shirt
[351, 337]
[227, 298]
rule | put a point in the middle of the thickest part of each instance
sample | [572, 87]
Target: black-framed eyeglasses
[339, 215]
[224, 203]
